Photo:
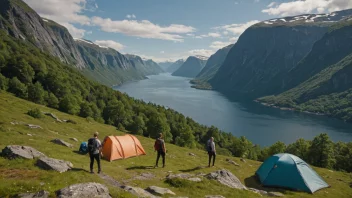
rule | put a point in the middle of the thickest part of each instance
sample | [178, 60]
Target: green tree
[17, 88]
[115, 112]
[52, 100]
[69, 104]
[158, 124]
[3, 82]
[299, 148]
[36, 93]
[138, 126]
[86, 110]
[278, 147]
[343, 156]
[19, 67]
[186, 138]
[321, 152]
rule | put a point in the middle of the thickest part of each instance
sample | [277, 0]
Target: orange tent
[121, 147]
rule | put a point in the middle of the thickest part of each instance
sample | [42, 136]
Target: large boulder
[54, 164]
[159, 191]
[61, 142]
[139, 192]
[40, 194]
[16, 151]
[225, 177]
[88, 190]
[185, 176]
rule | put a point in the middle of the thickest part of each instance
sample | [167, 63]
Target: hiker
[94, 149]
[159, 146]
[211, 150]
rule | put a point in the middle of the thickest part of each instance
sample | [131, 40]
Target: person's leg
[97, 158]
[214, 156]
[157, 159]
[209, 154]
[91, 162]
[163, 156]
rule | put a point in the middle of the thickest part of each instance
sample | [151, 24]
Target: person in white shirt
[211, 150]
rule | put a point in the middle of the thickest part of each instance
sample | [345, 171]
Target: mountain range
[191, 67]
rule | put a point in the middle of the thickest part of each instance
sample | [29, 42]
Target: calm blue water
[262, 125]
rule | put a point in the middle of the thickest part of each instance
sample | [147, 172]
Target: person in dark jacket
[94, 149]
[211, 150]
[159, 146]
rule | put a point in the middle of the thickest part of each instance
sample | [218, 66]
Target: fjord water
[261, 125]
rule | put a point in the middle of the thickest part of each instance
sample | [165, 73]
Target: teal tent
[289, 171]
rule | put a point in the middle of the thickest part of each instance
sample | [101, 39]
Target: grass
[18, 176]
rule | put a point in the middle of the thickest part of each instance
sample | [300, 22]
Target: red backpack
[157, 145]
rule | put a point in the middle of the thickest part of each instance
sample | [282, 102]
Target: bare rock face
[17, 151]
[61, 142]
[54, 164]
[139, 192]
[88, 190]
[159, 191]
[40, 194]
[226, 178]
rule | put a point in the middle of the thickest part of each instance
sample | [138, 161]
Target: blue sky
[171, 29]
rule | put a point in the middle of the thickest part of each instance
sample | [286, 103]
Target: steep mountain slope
[326, 71]
[107, 65]
[175, 66]
[148, 67]
[104, 65]
[20, 21]
[266, 51]
[192, 67]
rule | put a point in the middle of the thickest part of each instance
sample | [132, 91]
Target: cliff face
[191, 67]
[20, 21]
[148, 67]
[259, 62]
[213, 64]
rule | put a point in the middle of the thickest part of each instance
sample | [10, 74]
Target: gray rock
[232, 162]
[275, 194]
[139, 192]
[54, 164]
[195, 179]
[180, 176]
[61, 142]
[214, 196]
[53, 116]
[74, 139]
[243, 160]
[32, 126]
[159, 191]
[16, 151]
[225, 177]
[191, 154]
[261, 192]
[88, 190]
[40, 194]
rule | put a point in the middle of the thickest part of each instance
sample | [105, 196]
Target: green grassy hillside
[18, 176]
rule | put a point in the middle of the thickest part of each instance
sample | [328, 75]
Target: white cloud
[237, 29]
[131, 16]
[88, 32]
[110, 43]
[233, 39]
[308, 6]
[225, 32]
[65, 12]
[162, 52]
[202, 52]
[211, 34]
[219, 44]
[143, 29]
[271, 4]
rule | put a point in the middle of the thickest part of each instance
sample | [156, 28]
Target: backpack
[157, 145]
[83, 148]
[92, 145]
[208, 146]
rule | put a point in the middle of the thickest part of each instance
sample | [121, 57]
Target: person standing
[211, 150]
[159, 146]
[94, 149]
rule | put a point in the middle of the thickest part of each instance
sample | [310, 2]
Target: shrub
[35, 113]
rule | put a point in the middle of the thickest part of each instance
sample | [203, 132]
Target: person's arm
[213, 145]
[164, 147]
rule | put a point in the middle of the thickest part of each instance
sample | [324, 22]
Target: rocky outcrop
[16, 151]
[261, 192]
[61, 142]
[139, 192]
[232, 162]
[186, 176]
[89, 190]
[192, 67]
[159, 191]
[54, 164]
[40, 194]
[226, 178]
